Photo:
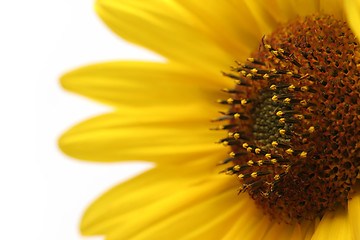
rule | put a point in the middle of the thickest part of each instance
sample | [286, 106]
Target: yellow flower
[162, 115]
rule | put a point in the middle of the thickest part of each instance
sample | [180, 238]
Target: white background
[42, 192]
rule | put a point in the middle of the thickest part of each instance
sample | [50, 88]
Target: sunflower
[289, 107]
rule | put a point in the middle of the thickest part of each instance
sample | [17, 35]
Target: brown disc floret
[293, 119]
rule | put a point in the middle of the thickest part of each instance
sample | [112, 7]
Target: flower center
[294, 119]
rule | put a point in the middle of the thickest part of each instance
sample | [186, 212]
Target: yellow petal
[281, 231]
[265, 12]
[303, 231]
[209, 219]
[142, 84]
[154, 197]
[225, 23]
[334, 226]
[333, 7]
[354, 213]
[352, 8]
[251, 224]
[165, 137]
[166, 28]
[294, 8]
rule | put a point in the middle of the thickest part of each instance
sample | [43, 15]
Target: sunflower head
[294, 119]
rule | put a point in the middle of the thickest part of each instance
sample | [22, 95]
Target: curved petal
[235, 25]
[165, 136]
[155, 199]
[209, 219]
[334, 226]
[354, 213]
[166, 28]
[352, 8]
[143, 84]
[334, 7]
[250, 225]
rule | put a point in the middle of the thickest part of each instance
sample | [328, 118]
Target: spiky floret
[294, 119]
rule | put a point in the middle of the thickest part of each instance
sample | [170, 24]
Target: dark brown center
[294, 119]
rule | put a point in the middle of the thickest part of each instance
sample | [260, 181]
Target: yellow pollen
[236, 115]
[250, 162]
[279, 113]
[299, 116]
[291, 87]
[268, 46]
[236, 167]
[303, 154]
[289, 151]
[230, 100]
[293, 118]
[303, 102]
[311, 129]
[287, 100]
[254, 175]
[304, 89]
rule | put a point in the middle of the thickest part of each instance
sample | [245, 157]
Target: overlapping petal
[145, 84]
[149, 206]
[354, 212]
[162, 116]
[166, 28]
[162, 135]
[352, 8]
[334, 226]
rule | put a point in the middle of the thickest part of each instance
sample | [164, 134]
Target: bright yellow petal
[225, 20]
[281, 231]
[143, 84]
[354, 213]
[151, 135]
[293, 8]
[166, 28]
[352, 8]
[334, 226]
[154, 197]
[251, 224]
[333, 7]
[209, 219]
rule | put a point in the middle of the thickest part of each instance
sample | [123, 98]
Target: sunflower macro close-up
[252, 121]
